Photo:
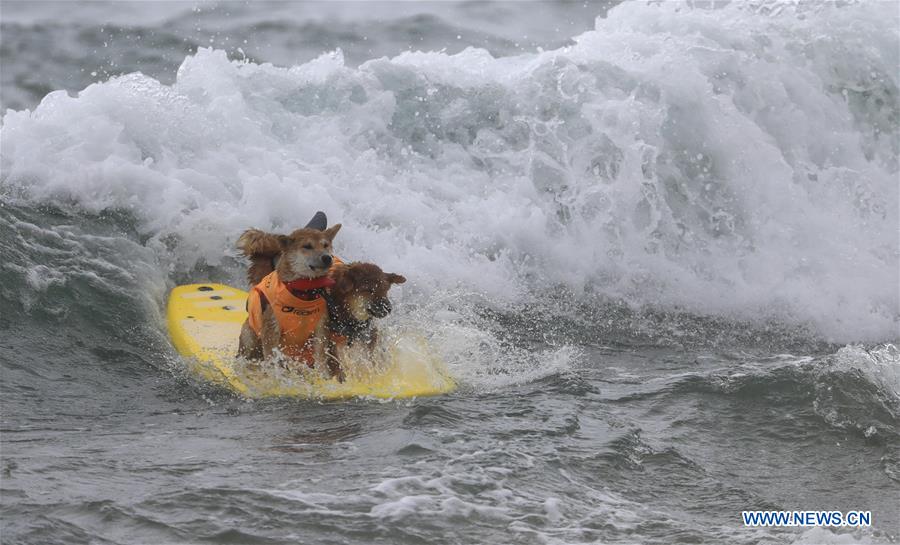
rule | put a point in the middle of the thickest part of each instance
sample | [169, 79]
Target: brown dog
[286, 306]
[358, 295]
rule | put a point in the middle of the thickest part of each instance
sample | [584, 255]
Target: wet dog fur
[305, 253]
[358, 296]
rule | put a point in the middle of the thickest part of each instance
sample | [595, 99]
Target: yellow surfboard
[205, 321]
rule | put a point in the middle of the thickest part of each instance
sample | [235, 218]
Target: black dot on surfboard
[204, 288]
[191, 317]
[215, 297]
[228, 307]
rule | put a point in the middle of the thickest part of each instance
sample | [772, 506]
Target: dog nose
[380, 308]
[326, 260]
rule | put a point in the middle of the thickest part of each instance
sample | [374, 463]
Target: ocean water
[657, 244]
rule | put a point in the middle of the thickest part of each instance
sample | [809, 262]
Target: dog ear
[343, 284]
[396, 278]
[254, 242]
[331, 231]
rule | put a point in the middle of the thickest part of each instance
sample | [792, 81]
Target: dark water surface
[648, 445]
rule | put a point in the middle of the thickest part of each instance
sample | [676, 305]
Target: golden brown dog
[286, 307]
[353, 294]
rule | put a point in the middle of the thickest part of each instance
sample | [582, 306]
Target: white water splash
[737, 162]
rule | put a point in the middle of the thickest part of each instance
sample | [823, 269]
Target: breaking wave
[722, 163]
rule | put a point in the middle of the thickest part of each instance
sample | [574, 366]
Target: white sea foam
[880, 364]
[468, 488]
[739, 161]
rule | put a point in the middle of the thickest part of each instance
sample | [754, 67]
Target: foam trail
[739, 162]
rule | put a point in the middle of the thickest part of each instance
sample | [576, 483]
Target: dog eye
[326, 245]
[307, 246]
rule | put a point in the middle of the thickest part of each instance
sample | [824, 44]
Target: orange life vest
[298, 318]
